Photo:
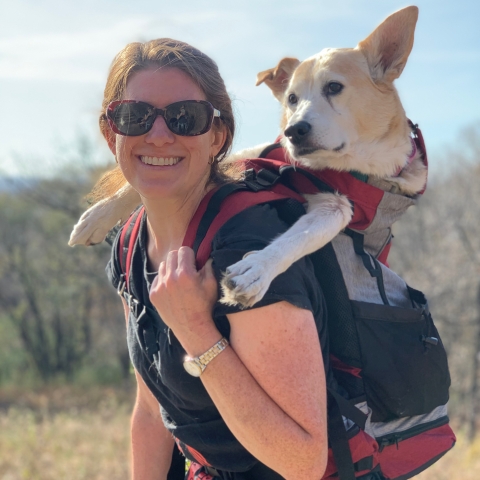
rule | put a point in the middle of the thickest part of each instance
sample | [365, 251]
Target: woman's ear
[218, 139]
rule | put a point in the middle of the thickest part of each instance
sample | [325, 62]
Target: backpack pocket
[405, 369]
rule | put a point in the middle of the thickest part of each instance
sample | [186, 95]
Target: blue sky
[54, 57]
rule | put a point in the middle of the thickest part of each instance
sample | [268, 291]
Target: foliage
[56, 299]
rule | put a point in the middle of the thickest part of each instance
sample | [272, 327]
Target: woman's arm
[152, 443]
[270, 389]
[269, 386]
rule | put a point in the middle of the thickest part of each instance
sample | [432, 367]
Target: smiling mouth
[164, 161]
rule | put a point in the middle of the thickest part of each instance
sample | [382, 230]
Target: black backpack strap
[369, 262]
[337, 436]
[348, 410]
[339, 407]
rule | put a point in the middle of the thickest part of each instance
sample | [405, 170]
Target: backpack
[387, 415]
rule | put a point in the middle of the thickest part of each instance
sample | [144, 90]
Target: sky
[55, 55]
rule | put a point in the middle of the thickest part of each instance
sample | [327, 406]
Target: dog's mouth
[304, 151]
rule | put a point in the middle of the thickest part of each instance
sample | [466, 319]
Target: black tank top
[187, 410]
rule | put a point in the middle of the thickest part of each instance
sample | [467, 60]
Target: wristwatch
[196, 366]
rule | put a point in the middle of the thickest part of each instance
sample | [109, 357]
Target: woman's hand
[184, 296]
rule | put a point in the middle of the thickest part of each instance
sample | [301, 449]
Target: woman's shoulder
[253, 229]
[257, 225]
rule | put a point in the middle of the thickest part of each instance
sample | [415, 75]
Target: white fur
[98, 220]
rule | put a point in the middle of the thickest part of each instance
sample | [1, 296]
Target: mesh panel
[341, 324]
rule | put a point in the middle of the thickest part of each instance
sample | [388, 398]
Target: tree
[57, 298]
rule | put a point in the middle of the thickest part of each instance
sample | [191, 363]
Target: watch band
[211, 353]
[203, 360]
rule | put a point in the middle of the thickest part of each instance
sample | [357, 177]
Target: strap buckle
[261, 180]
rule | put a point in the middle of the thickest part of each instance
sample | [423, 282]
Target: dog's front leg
[246, 281]
[98, 220]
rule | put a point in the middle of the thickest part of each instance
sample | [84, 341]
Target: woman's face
[190, 155]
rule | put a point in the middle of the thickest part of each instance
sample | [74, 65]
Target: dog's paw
[93, 225]
[246, 282]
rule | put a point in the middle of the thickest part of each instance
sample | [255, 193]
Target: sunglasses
[188, 118]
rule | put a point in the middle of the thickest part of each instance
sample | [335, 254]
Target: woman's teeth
[160, 160]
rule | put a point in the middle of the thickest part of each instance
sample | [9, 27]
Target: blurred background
[66, 386]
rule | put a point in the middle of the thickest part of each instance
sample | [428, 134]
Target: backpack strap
[221, 205]
[369, 262]
[127, 241]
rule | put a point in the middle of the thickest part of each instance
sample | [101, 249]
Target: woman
[258, 410]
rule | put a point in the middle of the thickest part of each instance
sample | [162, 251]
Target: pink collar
[410, 158]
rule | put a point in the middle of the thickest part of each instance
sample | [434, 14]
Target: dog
[341, 112]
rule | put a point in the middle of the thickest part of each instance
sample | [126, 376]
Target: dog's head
[340, 108]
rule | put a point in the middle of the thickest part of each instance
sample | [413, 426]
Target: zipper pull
[383, 443]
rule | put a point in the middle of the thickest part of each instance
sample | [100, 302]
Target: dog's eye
[292, 99]
[334, 87]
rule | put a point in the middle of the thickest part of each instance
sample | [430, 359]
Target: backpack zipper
[394, 438]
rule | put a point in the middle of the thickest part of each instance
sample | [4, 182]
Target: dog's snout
[298, 132]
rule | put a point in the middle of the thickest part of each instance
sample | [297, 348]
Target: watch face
[192, 368]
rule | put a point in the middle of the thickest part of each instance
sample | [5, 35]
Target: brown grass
[78, 434]
[86, 438]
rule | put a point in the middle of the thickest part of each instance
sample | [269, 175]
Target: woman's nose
[159, 133]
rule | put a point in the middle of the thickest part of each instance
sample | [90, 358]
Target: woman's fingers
[186, 260]
[206, 273]
[172, 263]
[161, 270]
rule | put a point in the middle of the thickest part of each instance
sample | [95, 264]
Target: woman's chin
[177, 180]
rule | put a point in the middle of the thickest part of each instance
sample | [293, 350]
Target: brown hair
[165, 52]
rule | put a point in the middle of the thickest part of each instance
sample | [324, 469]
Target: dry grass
[86, 438]
[75, 434]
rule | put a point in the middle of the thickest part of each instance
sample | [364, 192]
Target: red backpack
[387, 409]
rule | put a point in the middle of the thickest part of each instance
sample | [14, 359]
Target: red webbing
[196, 219]
[131, 243]
[231, 206]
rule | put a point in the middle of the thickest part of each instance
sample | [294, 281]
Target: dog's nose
[298, 132]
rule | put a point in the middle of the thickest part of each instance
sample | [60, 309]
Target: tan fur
[367, 116]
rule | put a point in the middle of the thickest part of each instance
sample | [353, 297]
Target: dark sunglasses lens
[133, 118]
[188, 118]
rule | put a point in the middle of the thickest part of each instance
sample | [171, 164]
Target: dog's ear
[277, 78]
[387, 48]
